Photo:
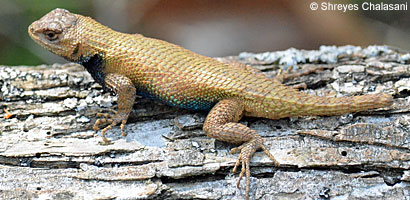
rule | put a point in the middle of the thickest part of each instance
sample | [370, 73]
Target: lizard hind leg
[124, 88]
[221, 124]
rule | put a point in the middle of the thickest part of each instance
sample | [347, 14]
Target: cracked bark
[48, 150]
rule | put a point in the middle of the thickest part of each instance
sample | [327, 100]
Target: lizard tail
[295, 103]
[342, 105]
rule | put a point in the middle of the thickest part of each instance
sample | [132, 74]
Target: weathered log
[48, 150]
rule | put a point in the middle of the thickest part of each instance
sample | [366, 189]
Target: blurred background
[210, 27]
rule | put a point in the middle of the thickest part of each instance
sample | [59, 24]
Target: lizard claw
[112, 120]
[246, 152]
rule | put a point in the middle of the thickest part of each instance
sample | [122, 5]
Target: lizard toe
[247, 151]
[105, 119]
[112, 120]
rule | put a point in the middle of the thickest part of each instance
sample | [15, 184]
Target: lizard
[132, 64]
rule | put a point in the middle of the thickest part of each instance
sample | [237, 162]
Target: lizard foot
[246, 152]
[112, 120]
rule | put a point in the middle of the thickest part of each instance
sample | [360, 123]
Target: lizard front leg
[124, 88]
[221, 124]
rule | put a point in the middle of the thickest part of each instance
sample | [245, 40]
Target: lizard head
[56, 32]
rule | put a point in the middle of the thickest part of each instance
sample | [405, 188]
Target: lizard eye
[51, 35]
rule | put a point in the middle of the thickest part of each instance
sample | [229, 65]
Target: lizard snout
[31, 29]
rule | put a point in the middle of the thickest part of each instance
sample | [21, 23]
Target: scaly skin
[131, 64]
